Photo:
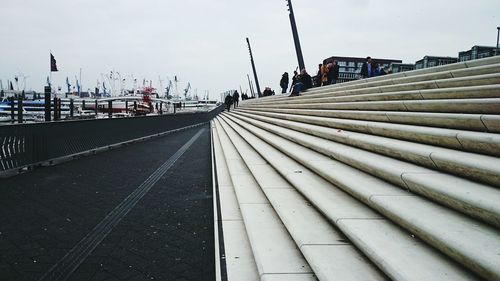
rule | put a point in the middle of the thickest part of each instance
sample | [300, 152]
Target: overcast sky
[203, 42]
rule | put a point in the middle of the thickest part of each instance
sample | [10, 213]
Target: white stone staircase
[394, 177]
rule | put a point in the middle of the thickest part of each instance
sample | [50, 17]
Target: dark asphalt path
[168, 235]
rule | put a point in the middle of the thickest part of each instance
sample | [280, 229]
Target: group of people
[232, 99]
[300, 82]
[327, 74]
[371, 69]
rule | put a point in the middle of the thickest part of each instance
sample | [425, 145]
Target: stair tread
[240, 263]
[334, 206]
[391, 177]
[273, 249]
[307, 227]
[487, 143]
[480, 167]
[483, 91]
[462, 198]
[452, 218]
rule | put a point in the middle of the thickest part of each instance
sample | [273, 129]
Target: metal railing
[24, 145]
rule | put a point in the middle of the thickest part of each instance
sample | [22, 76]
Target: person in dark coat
[319, 76]
[236, 98]
[368, 68]
[294, 79]
[333, 73]
[228, 101]
[304, 82]
[284, 82]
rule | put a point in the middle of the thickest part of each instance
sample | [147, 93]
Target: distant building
[401, 67]
[431, 61]
[477, 52]
[350, 67]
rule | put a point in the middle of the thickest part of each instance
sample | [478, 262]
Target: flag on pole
[53, 65]
[48, 81]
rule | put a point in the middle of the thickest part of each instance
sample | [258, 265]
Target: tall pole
[81, 84]
[498, 37]
[296, 40]
[254, 71]
[250, 85]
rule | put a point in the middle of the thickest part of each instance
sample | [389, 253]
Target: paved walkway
[52, 218]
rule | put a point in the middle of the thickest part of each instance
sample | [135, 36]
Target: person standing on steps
[368, 68]
[333, 73]
[236, 98]
[228, 101]
[294, 79]
[284, 82]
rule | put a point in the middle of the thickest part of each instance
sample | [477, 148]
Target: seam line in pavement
[65, 267]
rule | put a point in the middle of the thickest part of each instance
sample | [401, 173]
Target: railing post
[55, 110]
[20, 110]
[71, 107]
[110, 109]
[126, 106]
[96, 110]
[47, 91]
[12, 112]
[59, 108]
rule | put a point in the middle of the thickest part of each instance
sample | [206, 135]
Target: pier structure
[395, 177]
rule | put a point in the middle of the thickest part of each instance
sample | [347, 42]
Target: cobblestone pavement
[167, 236]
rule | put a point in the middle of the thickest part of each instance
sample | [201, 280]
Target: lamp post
[498, 36]
[296, 40]
[259, 94]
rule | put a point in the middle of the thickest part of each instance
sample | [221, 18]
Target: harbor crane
[187, 90]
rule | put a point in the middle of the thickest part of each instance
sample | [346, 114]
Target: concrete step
[471, 106]
[317, 239]
[469, 165]
[447, 67]
[468, 81]
[465, 240]
[477, 142]
[485, 91]
[393, 250]
[457, 70]
[474, 199]
[274, 250]
[238, 256]
[433, 76]
[469, 122]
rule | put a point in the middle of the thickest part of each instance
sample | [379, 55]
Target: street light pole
[498, 36]
[254, 71]
[296, 40]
